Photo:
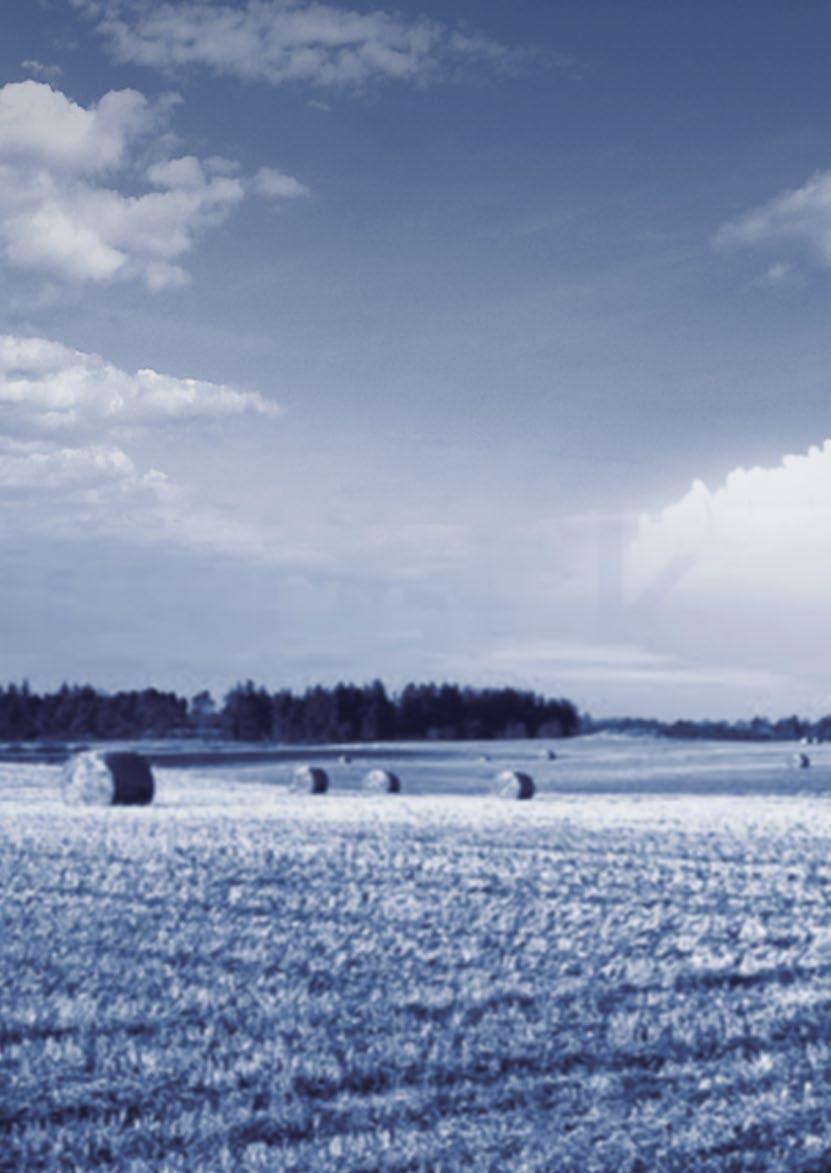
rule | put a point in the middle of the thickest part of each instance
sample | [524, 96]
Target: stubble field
[237, 978]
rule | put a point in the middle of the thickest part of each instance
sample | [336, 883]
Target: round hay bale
[515, 784]
[382, 782]
[801, 761]
[309, 780]
[108, 779]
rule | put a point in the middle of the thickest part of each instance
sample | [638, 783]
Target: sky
[463, 341]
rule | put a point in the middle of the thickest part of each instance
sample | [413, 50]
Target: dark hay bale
[382, 782]
[119, 778]
[514, 784]
[309, 780]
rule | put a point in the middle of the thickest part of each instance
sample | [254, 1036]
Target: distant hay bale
[309, 780]
[801, 761]
[108, 779]
[549, 755]
[382, 782]
[515, 784]
[345, 759]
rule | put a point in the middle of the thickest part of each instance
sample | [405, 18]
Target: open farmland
[239, 978]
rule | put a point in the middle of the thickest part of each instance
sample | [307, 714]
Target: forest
[343, 713]
[347, 713]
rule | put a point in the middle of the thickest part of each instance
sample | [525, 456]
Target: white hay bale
[382, 782]
[514, 784]
[108, 779]
[309, 780]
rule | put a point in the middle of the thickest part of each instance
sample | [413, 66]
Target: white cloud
[46, 466]
[79, 488]
[568, 665]
[96, 491]
[798, 220]
[762, 535]
[40, 69]
[57, 214]
[51, 385]
[185, 173]
[574, 654]
[275, 185]
[75, 488]
[41, 125]
[279, 41]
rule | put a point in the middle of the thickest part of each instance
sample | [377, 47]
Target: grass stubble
[248, 980]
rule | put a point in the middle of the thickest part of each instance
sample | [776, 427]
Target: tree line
[791, 728]
[343, 713]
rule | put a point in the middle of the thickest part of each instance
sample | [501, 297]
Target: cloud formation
[797, 220]
[279, 41]
[55, 491]
[762, 535]
[42, 70]
[75, 487]
[60, 213]
[51, 385]
[275, 184]
[40, 125]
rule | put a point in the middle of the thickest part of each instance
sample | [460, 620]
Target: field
[631, 972]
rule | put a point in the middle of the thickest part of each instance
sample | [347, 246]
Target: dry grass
[238, 979]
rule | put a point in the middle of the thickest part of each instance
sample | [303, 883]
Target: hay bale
[108, 779]
[548, 755]
[515, 784]
[345, 759]
[309, 780]
[801, 761]
[382, 782]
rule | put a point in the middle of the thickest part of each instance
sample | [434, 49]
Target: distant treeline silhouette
[757, 729]
[343, 713]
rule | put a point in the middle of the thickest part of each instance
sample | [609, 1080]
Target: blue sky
[341, 341]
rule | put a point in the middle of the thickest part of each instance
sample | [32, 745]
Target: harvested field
[239, 978]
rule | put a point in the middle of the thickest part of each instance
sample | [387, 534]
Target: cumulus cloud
[797, 220]
[723, 591]
[278, 41]
[59, 211]
[39, 124]
[76, 488]
[51, 385]
[96, 491]
[46, 466]
[754, 537]
[275, 185]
